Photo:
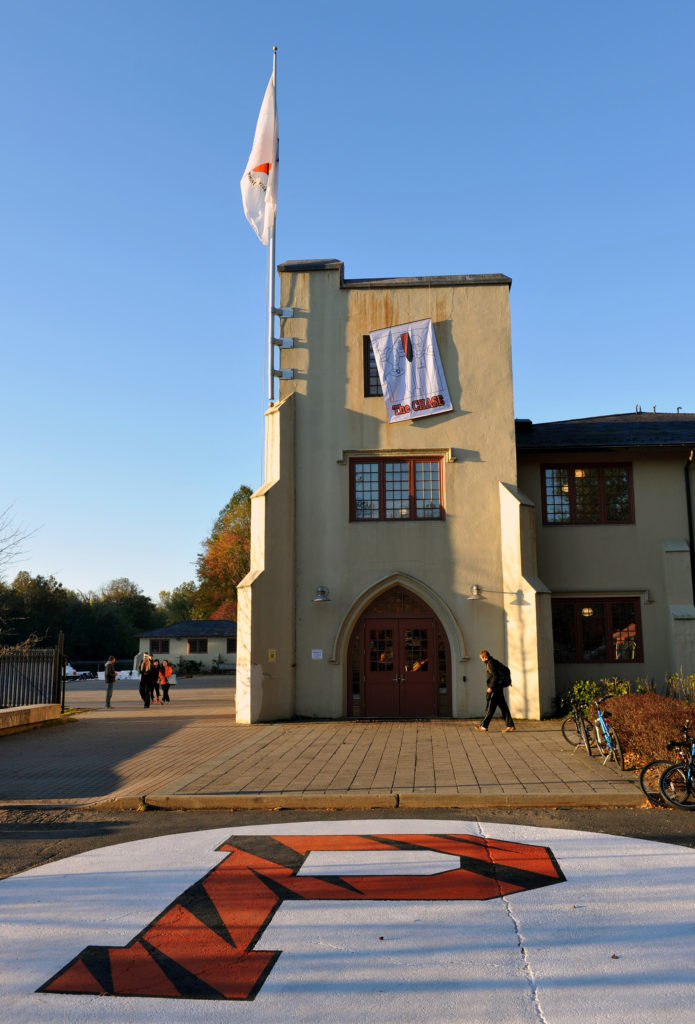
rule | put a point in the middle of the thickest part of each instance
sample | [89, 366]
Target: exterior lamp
[476, 593]
[321, 595]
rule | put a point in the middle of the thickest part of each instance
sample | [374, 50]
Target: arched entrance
[399, 665]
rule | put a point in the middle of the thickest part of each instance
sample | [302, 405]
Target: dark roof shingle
[624, 430]
[196, 628]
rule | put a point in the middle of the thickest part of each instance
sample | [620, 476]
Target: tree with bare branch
[12, 540]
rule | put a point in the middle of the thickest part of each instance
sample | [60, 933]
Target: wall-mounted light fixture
[321, 595]
[476, 593]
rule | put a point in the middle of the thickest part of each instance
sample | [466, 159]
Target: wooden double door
[399, 662]
[400, 677]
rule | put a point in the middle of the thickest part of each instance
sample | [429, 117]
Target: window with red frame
[395, 489]
[159, 646]
[198, 645]
[597, 629]
[588, 493]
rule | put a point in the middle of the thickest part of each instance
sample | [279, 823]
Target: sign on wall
[410, 370]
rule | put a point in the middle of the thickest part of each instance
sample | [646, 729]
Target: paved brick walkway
[192, 754]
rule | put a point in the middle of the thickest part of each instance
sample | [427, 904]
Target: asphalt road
[30, 837]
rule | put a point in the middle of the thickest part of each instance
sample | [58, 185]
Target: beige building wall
[265, 669]
[292, 650]
[648, 559]
[178, 649]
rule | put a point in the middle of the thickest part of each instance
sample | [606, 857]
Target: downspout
[689, 507]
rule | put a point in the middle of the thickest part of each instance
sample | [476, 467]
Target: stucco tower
[415, 528]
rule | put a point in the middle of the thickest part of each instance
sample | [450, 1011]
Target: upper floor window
[372, 383]
[597, 629]
[198, 645]
[389, 489]
[576, 494]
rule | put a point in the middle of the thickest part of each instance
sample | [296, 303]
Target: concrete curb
[368, 802]
[28, 716]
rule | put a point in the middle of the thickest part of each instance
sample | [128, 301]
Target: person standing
[498, 678]
[165, 673]
[154, 692]
[109, 678]
[146, 672]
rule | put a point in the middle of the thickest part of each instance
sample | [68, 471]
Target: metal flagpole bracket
[284, 374]
[286, 311]
[284, 342]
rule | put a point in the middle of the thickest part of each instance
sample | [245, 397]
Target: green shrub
[615, 687]
[681, 687]
[585, 691]
[188, 667]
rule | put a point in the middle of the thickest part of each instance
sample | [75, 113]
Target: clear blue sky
[549, 141]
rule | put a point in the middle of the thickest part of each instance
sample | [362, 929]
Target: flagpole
[271, 271]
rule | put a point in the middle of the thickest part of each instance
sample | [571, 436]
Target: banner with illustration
[410, 371]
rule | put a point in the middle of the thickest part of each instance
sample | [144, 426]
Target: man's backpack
[505, 676]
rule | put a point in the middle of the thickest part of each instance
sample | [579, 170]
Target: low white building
[206, 641]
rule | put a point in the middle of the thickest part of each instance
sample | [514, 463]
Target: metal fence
[34, 676]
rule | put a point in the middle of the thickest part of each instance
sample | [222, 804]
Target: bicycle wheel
[601, 741]
[650, 777]
[570, 732]
[575, 732]
[677, 790]
[587, 735]
[617, 751]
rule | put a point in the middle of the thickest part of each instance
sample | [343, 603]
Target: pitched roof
[622, 430]
[196, 628]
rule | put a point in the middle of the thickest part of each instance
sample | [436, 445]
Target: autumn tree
[224, 560]
[179, 604]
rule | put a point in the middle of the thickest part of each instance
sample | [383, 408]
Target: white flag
[259, 183]
[410, 371]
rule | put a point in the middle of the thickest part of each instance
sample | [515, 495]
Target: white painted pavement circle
[611, 942]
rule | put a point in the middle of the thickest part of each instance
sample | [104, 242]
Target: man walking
[109, 678]
[497, 678]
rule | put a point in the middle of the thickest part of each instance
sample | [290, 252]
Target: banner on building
[410, 371]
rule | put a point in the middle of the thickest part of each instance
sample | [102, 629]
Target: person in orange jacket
[165, 673]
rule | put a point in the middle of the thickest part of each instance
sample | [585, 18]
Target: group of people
[155, 680]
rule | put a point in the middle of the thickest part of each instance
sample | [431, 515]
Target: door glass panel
[381, 650]
[557, 495]
[587, 495]
[366, 490]
[441, 665]
[564, 631]
[397, 490]
[617, 484]
[624, 631]
[415, 650]
[593, 632]
[427, 503]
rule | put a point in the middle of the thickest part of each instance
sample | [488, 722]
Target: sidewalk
[191, 755]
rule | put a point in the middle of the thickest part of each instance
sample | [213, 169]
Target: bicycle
[677, 783]
[650, 776]
[576, 729]
[650, 779]
[606, 738]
